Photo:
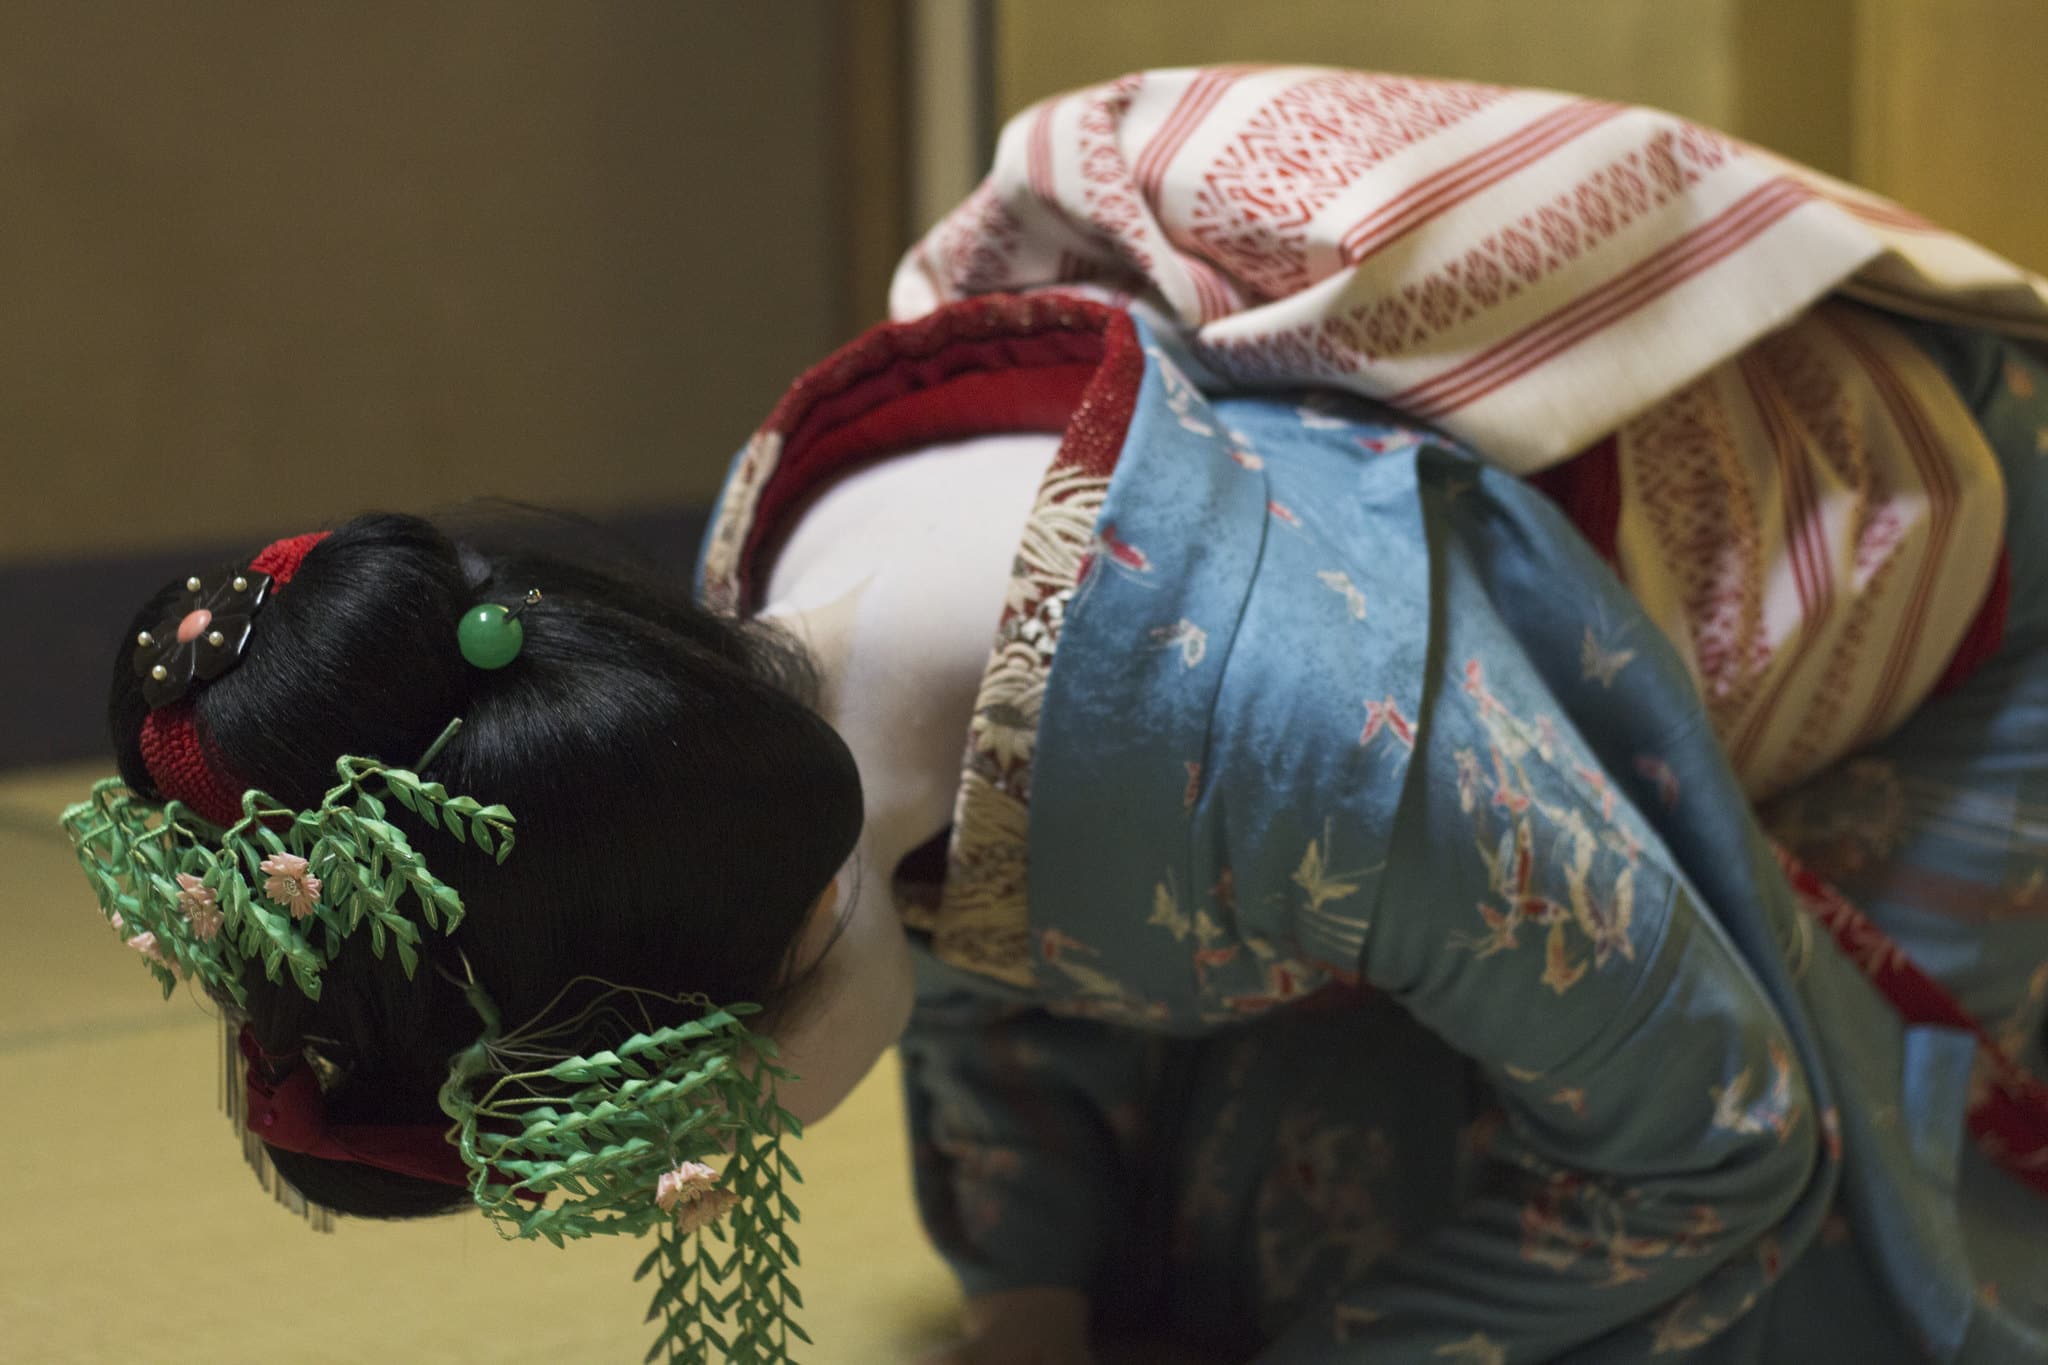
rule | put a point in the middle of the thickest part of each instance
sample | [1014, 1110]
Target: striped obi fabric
[1546, 277]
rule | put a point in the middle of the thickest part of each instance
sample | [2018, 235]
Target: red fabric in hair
[177, 763]
[177, 760]
[280, 558]
[290, 1114]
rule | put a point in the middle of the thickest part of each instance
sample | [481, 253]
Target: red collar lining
[1000, 363]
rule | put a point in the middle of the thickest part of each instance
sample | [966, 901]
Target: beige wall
[1939, 103]
[1952, 115]
[267, 263]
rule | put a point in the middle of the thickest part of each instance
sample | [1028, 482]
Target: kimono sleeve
[1656, 1123]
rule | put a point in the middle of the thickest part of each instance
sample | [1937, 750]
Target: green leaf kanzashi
[559, 1146]
[133, 852]
[592, 1134]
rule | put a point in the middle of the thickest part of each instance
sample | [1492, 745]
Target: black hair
[680, 803]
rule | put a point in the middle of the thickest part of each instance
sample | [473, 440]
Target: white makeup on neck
[859, 1004]
[895, 580]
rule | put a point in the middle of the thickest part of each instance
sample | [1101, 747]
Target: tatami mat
[133, 1233]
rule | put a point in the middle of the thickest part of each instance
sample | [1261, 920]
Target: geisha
[1415, 701]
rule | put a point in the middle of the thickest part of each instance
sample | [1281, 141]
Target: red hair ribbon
[290, 1114]
[178, 761]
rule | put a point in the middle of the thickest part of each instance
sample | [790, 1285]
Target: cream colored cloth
[1814, 524]
[1807, 510]
[1525, 269]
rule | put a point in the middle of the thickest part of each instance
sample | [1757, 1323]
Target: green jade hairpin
[673, 1129]
[490, 636]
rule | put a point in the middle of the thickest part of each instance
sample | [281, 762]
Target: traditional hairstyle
[680, 803]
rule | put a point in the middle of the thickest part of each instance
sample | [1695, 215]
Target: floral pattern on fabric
[725, 542]
[981, 920]
[1658, 1092]
[1511, 816]
[1318, 1210]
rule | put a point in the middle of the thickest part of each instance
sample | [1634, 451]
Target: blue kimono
[1406, 977]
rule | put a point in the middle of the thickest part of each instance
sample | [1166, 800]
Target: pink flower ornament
[290, 884]
[691, 1192]
[683, 1184]
[200, 906]
[146, 944]
[707, 1209]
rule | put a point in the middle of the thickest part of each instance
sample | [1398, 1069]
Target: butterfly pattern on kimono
[1601, 663]
[1339, 582]
[1183, 399]
[1554, 834]
[1190, 639]
[1591, 854]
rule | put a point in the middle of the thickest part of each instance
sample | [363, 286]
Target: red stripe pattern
[1469, 251]
[1937, 477]
[1816, 524]
[1462, 179]
[1254, 203]
[1599, 308]
[1188, 113]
